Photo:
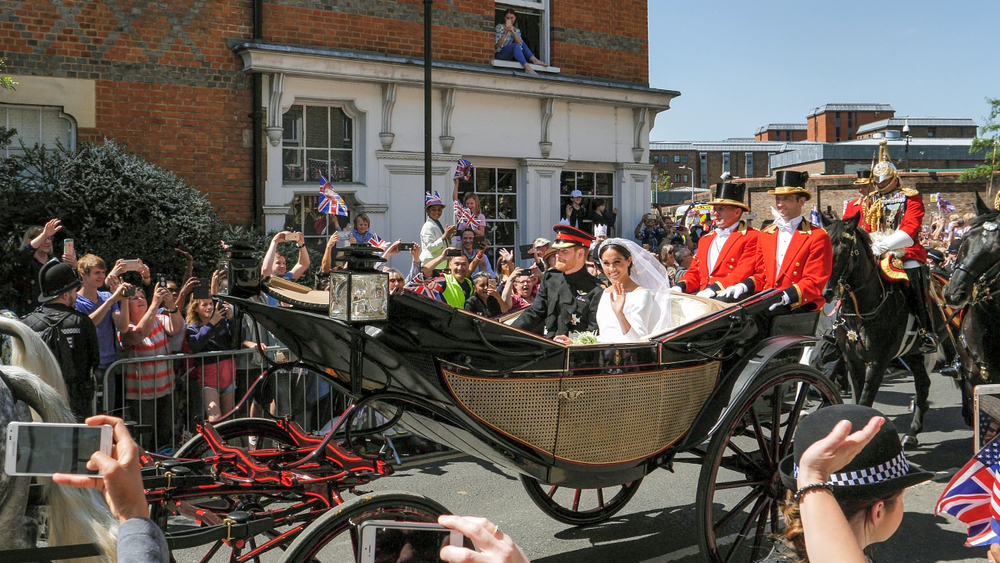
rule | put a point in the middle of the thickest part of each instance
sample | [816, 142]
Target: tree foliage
[112, 203]
[986, 143]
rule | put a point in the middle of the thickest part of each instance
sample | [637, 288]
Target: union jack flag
[464, 170]
[464, 215]
[973, 496]
[377, 242]
[331, 202]
[428, 287]
[815, 218]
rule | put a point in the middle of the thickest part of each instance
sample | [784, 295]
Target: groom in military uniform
[567, 300]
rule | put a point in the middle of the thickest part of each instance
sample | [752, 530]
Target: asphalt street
[658, 524]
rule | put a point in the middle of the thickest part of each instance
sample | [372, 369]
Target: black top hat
[567, 236]
[730, 194]
[790, 182]
[864, 177]
[878, 471]
[56, 278]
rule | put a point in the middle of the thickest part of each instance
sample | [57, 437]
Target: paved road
[658, 524]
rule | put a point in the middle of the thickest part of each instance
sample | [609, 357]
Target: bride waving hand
[637, 303]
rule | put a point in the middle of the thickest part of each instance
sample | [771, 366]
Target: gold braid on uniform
[871, 209]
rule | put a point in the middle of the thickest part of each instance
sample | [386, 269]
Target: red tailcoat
[736, 261]
[910, 219]
[805, 270]
[853, 208]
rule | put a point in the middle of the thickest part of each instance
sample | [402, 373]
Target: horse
[76, 516]
[873, 323]
[975, 277]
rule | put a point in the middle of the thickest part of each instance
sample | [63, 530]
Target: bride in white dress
[637, 303]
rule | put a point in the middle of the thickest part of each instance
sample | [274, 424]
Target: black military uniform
[566, 302]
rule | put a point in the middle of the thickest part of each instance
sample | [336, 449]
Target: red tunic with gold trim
[902, 209]
[853, 208]
[737, 261]
[806, 267]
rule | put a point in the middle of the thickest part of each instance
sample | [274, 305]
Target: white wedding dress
[640, 311]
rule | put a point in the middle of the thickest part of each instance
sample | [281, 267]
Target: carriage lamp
[360, 293]
[242, 271]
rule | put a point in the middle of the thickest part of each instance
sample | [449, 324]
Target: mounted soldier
[728, 254]
[894, 215]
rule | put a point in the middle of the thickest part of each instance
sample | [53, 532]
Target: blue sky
[740, 64]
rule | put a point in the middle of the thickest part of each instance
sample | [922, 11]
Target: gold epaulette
[771, 228]
[910, 192]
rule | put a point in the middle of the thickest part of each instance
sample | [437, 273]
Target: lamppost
[692, 181]
[906, 152]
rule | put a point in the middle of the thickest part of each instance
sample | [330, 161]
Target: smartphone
[478, 241]
[296, 238]
[132, 265]
[203, 290]
[68, 246]
[986, 423]
[162, 280]
[386, 540]
[452, 252]
[129, 292]
[526, 253]
[405, 246]
[42, 448]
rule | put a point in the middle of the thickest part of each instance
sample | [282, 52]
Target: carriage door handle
[570, 395]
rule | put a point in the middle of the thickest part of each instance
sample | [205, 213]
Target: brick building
[787, 132]
[850, 156]
[936, 127]
[833, 123]
[701, 163]
[337, 87]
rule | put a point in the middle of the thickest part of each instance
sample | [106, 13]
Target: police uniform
[565, 302]
[864, 181]
[894, 215]
[735, 258]
[807, 260]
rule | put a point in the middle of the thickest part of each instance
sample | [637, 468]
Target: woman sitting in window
[509, 45]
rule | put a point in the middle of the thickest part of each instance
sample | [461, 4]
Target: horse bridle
[843, 286]
[984, 284]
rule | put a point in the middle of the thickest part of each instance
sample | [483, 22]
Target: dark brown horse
[871, 326]
[975, 278]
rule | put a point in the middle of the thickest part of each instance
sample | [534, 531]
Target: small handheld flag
[331, 203]
[815, 218]
[464, 215]
[428, 287]
[973, 496]
[377, 242]
[464, 170]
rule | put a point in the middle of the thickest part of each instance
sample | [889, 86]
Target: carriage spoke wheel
[579, 507]
[739, 489]
[335, 536]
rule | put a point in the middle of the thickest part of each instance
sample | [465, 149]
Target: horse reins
[843, 286]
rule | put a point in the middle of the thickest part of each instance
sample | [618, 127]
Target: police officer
[728, 254]
[58, 282]
[792, 254]
[568, 298]
[894, 215]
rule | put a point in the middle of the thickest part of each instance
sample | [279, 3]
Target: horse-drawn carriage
[581, 424]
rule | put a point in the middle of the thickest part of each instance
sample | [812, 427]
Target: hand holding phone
[133, 265]
[68, 247]
[41, 449]
[386, 540]
[453, 252]
[405, 246]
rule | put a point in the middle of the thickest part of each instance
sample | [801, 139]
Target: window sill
[517, 66]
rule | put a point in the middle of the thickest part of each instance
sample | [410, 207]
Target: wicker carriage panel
[618, 418]
[525, 409]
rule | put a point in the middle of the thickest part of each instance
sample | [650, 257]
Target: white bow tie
[786, 226]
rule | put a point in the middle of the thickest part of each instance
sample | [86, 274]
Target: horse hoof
[910, 442]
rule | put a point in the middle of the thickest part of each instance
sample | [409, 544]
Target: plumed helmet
[884, 170]
[56, 278]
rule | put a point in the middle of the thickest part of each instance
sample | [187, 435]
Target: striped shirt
[153, 379]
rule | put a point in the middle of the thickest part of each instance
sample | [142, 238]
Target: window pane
[568, 183]
[486, 179]
[316, 128]
[605, 182]
[292, 122]
[506, 180]
[340, 166]
[507, 207]
[55, 128]
[317, 162]
[341, 127]
[489, 206]
[25, 120]
[504, 234]
[292, 169]
[585, 182]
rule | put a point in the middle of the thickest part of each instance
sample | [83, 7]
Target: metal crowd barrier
[167, 417]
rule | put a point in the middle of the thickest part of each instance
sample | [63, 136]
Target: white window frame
[748, 165]
[5, 152]
[545, 34]
[358, 150]
[726, 163]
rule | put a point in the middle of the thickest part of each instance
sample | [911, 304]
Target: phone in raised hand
[389, 540]
[44, 448]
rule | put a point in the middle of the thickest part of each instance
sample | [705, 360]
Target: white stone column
[539, 194]
[634, 183]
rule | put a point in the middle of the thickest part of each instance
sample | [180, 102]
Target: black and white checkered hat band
[895, 467]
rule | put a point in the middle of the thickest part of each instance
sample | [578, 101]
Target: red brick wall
[601, 38]
[167, 84]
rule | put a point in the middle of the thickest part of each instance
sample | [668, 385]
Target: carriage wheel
[335, 536]
[579, 507]
[739, 490]
[237, 432]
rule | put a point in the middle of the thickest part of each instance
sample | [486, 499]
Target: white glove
[897, 240]
[676, 288]
[709, 293]
[878, 249]
[785, 300]
[734, 291]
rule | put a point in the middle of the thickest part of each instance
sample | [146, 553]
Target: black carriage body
[578, 416]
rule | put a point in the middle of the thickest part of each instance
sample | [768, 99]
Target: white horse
[76, 516]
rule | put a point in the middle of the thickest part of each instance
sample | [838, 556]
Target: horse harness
[843, 286]
[982, 293]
